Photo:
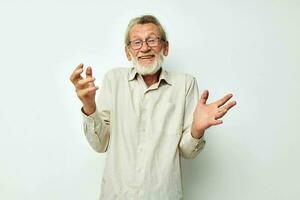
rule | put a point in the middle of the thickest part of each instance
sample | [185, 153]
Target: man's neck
[151, 79]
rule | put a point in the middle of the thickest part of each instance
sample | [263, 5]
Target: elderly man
[145, 118]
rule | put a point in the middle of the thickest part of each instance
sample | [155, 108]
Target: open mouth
[144, 57]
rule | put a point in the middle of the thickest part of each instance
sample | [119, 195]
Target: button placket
[140, 147]
[143, 113]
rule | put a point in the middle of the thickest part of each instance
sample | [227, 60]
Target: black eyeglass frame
[146, 40]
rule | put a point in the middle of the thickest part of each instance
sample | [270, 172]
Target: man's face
[146, 56]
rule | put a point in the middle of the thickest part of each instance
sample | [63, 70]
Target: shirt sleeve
[189, 146]
[97, 125]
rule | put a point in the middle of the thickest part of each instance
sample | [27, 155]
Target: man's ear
[127, 53]
[166, 48]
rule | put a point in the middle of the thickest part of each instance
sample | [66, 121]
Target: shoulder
[116, 73]
[181, 77]
[184, 81]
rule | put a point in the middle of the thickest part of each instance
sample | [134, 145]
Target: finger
[89, 72]
[225, 109]
[221, 113]
[75, 76]
[204, 97]
[230, 105]
[84, 83]
[223, 100]
[80, 66]
[87, 91]
[217, 122]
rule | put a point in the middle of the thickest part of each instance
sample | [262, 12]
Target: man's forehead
[142, 30]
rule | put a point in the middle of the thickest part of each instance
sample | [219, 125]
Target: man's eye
[151, 41]
[138, 42]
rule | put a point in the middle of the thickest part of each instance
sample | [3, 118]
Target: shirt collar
[164, 75]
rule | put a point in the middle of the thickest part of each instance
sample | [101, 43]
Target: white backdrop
[249, 48]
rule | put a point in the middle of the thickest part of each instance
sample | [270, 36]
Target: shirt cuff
[196, 144]
[90, 120]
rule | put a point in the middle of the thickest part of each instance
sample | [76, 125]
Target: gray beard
[149, 69]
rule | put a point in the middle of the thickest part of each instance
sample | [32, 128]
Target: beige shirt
[144, 131]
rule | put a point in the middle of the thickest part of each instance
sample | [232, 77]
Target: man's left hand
[207, 115]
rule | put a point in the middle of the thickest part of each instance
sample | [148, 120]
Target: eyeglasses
[137, 44]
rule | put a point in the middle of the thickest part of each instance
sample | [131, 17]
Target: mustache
[153, 54]
[146, 55]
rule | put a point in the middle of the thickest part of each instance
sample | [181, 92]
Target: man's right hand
[85, 88]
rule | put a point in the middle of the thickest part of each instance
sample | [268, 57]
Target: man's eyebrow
[139, 38]
[135, 38]
[152, 34]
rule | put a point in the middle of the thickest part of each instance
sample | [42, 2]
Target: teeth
[143, 57]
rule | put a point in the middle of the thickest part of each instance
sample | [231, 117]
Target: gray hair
[145, 19]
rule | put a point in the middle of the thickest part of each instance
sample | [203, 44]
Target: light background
[249, 48]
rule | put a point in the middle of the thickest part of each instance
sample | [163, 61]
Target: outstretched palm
[207, 115]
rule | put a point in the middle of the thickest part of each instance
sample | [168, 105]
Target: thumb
[204, 97]
[88, 72]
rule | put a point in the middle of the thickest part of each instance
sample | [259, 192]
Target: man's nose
[145, 47]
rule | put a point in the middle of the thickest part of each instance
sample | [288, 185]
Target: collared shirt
[145, 131]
